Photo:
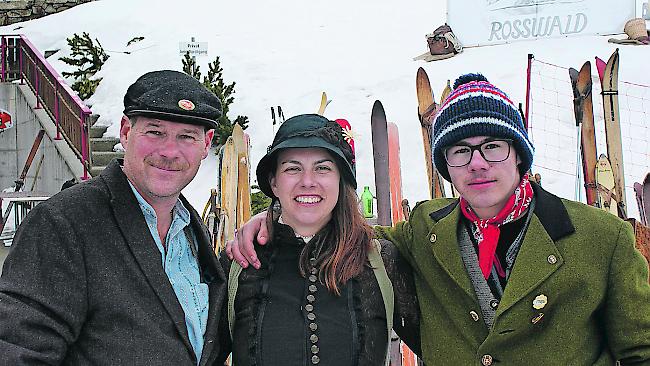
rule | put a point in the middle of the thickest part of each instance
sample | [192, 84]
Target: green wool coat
[582, 259]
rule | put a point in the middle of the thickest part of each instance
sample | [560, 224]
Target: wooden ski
[426, 111]
[646, 198]
[241, 144]
[210, 217]
[323, 103]
[605, 181]
[399, 211]
[380, 156]
[227, 194]
[445, 92]
[638, 192]
[642, 237]
[584, 115]
[609, 82]
[395, 173]
[21, 178]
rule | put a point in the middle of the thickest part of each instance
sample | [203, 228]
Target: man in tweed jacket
[120, 270]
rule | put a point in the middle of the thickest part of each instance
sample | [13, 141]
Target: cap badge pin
[540, 301]
[186, 104]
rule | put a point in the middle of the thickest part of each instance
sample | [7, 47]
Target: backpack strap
[233, 284]
[386, 288]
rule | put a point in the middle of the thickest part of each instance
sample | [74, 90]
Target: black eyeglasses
[493, 151]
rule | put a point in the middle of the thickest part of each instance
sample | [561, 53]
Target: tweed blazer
[84, 285]
[578, 293]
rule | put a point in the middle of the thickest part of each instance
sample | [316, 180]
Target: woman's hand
[241, 248]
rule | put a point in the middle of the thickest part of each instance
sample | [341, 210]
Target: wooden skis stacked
[426, 112]
[234, 205]
[584, 115]
[391, 207]
[608, 74]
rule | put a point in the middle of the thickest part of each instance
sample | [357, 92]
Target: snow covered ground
[287, 52]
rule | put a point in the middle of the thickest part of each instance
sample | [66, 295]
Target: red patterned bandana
[487, 230]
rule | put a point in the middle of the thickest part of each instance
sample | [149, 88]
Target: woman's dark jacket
[277, 322]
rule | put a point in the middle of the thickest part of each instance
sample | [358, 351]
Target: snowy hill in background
[286, 53]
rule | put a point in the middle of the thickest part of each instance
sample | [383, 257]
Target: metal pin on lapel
[540, 301]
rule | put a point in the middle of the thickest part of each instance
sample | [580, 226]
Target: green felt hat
[308, 131]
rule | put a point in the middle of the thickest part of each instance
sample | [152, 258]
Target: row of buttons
[313, 338]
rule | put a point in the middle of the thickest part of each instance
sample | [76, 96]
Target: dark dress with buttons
[285, 318]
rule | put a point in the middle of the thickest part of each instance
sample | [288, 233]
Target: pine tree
[214, 82]
[89, 59]
[259, 201]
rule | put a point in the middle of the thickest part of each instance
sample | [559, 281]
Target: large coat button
[433, 238]
[486, 360]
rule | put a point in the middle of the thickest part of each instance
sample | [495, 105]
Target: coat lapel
[445, 248]
[131, 222]
[532, 266]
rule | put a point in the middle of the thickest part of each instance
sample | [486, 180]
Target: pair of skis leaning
[391, 207]
[229, 205]
[603, 174]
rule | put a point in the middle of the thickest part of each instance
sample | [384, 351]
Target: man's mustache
[166, 164]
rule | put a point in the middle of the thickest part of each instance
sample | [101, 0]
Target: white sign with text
[485, 22]
[194, 48]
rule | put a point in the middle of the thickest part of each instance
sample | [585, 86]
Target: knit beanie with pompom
[477, 108]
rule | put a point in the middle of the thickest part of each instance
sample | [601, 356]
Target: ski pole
[578, 189]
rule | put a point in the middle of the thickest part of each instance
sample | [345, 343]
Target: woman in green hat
[322, 294]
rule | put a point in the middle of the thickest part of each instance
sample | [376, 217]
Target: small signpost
[5, 120]
[193, 48]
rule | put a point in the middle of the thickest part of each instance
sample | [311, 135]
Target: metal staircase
[101, 149]
[21, 61]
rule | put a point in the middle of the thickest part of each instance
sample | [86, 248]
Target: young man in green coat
[509, 273]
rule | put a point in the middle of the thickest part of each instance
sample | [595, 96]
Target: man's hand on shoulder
[241, 248]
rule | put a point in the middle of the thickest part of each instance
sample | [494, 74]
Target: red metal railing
[21, 60]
